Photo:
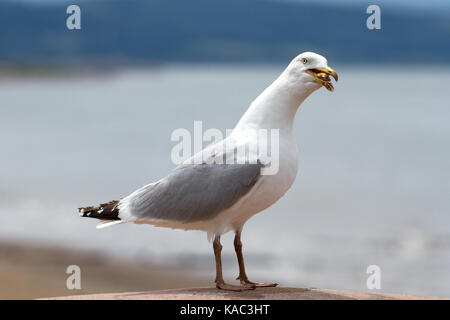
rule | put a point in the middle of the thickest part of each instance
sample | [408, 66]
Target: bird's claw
[230, 287]
[245, 281]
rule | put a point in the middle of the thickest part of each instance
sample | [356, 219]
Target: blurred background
[86, 117]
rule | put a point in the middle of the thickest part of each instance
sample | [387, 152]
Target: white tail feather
[108, 223]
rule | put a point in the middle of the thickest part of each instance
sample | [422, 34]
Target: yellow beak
[329, 71]
[321, 75]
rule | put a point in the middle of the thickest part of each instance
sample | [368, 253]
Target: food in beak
[322, 76]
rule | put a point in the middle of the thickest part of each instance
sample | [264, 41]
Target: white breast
[268, 190]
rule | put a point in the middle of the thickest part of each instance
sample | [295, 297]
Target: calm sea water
[373, 186]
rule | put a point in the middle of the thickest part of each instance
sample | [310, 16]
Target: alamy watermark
[73, 22]
[374, 20]
[254, 146]
[374, 280]
[73, 281]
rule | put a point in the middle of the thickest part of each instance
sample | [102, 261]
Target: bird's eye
[304, 60]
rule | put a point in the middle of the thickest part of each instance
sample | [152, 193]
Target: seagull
[208, 193]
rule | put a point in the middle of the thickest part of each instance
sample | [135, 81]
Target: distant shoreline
[30, 70]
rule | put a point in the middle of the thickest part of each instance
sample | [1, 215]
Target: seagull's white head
[312, 70]
[277, 105]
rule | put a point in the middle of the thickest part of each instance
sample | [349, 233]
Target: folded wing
[192, 192]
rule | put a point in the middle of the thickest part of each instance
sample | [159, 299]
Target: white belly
[268, 190]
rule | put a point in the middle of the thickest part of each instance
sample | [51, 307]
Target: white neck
[276, 106]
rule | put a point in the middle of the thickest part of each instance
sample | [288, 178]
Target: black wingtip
[105, 211]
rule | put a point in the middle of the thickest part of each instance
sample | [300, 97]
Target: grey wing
[194, 192]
